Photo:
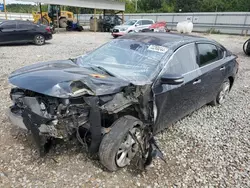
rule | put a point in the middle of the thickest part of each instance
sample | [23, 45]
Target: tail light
[48, 29]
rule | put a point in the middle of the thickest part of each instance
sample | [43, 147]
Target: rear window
[147, 22]
[208, 53]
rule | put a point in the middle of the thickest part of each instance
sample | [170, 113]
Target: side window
[183, 60]
[147, 22]
[221, 52]
[139, 22]
[208, 53]
[9, 25]
[24, 25]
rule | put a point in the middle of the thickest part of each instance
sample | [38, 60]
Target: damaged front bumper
[16, 119]
[49, 117]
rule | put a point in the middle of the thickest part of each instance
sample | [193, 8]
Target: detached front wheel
[119, 146]
[246, 47]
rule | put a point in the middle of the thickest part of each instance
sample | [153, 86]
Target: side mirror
[136, 25]
[172, 79]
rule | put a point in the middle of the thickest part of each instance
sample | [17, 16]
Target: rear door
[146, 24]
[173, 102]
[25, 31]
[8, 32]
[211, 60]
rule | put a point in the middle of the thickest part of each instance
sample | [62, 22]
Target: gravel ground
[210, 148]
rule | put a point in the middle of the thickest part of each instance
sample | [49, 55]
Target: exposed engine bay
[88, 118]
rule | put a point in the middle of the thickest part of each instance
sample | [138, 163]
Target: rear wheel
[119, 147]
[39, 40]
[223, 93]
[80, 28]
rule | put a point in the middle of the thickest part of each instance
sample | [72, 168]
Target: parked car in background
[117, 97]
[17, 31]
[160, 27]
[130, 26]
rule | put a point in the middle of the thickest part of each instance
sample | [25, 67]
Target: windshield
[129, 60]
[130, 22]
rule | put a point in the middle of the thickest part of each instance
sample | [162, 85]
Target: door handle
[222, 68]
[197, 81]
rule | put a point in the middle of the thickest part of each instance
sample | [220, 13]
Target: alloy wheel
[40, 40]
[128, 148]
[224, 92]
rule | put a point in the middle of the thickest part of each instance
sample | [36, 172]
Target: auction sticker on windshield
[160, 49]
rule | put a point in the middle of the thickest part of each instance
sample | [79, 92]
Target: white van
[131, 25]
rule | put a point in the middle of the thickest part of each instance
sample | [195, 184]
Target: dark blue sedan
[117, 97]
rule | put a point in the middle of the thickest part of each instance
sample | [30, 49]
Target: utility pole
[5, 10]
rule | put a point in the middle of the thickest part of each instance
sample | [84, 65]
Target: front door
[146, 24]
[8, 32]
[172, 102]
[138, 26]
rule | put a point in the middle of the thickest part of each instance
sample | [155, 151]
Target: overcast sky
[13, 1]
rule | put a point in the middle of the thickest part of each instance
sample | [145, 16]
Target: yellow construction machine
[55, 16]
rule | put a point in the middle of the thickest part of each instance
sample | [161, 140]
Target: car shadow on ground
[23, 44]
[71, 149]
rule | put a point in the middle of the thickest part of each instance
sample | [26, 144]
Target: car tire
[39, 40]
[63, 23]
[68, 28]
[117, 149]
[246, 47]
[222, 94]
[80, 28]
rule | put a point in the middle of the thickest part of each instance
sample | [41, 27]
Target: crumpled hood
[65, 79]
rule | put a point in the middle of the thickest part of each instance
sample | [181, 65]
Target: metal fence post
[245, 20]
[172, 27]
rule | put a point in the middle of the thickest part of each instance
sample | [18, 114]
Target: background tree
[156, 6]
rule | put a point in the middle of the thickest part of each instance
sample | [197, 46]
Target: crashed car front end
[88, 118]
[76, 98]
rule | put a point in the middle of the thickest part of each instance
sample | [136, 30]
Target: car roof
[140, 19]
[171, 40]
[26, 21]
